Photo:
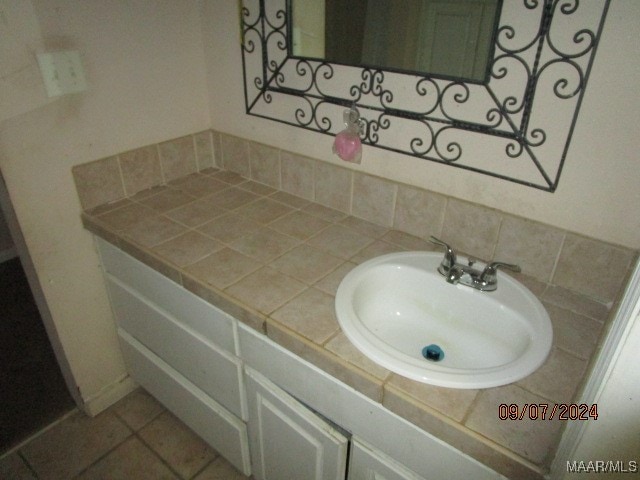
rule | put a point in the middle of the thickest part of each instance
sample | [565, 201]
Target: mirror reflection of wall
[441, 37]
[308, 19]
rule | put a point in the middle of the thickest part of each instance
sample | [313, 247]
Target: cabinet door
[368, 463]
[287, 439]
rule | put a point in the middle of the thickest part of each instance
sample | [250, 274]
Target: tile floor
[136, 439]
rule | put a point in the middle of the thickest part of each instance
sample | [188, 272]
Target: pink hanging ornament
[347, 144]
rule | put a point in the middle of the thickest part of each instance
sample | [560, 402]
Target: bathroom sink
[402, 314]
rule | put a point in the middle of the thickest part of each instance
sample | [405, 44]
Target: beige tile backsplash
[592, 267]
[235, 155]
[99, 182]
[265, 164]
[297, 175]
[472, 228]
[333, 186]
[531, 245]
[178, 157]
[570, 263]
[419, 212]
[373, 199]
[140, 169]
[204, 150]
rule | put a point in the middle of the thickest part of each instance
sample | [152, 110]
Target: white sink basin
[393, 306]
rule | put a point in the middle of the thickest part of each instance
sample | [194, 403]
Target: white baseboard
[108, 396]
[8, 254]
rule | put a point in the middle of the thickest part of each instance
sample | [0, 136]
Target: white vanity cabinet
[267, 411]
[182, 350]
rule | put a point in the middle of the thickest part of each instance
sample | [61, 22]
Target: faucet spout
[449, 261]
[484, 280]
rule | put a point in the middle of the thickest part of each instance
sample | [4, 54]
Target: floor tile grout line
[135, 434]
[135, 430]
[43, 430]
[205, 466]
[105, 454]
[159, 457]
[28, 464]
[215, 457]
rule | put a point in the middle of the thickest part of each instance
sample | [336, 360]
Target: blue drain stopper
[433, 352]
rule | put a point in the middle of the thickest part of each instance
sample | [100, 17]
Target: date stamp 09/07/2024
[547, 411]
[567, 411]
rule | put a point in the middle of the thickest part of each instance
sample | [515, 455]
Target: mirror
[450, 38]
[514, 122]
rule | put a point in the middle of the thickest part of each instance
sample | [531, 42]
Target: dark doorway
[32, 390]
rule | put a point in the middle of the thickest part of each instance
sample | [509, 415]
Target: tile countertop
[274, 261]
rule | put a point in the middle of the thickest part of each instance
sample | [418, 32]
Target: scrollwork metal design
[526, 107]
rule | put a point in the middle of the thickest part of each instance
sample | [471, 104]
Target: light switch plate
[62, 72]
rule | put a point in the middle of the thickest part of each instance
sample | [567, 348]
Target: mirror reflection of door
[308, 17]
[442, 37]
[454, 37]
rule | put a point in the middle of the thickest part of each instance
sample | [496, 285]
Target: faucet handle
[449, 259]
[490, 272]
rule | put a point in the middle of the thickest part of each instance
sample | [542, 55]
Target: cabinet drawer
[223, 431]
[209, 321]
[213, 370]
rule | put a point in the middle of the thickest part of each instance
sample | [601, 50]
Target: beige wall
[144, 67]
[598, 188]
[151, 78]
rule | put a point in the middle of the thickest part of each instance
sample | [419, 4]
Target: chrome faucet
[485, 280]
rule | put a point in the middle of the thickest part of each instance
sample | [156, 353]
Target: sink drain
[433, 353]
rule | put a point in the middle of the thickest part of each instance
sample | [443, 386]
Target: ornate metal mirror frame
[516, 125]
